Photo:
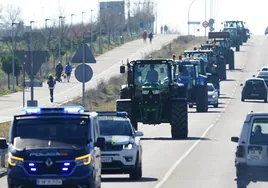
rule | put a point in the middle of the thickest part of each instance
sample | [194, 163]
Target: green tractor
[242, 32]
[235, 39]
[153, 96]
[222, 39]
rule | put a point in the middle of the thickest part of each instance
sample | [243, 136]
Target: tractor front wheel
[201, 98]
[179, 119]
[126, 106]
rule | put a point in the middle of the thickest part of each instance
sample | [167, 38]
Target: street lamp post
[71, 38]
[32, 74]
[83, 68]
[13, 57]
[60, 17]
[91, 30]
[189, 16]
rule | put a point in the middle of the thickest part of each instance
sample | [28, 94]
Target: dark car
[263, 74]
[254, 88]
[54, 147]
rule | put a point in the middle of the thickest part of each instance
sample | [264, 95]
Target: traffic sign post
[35, 84]
[83, 55]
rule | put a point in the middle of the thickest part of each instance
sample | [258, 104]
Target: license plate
[255, 95]
[49, 182]
[254, 155]
[106, 159]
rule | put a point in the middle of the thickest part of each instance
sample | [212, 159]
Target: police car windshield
[259, 132]
[109, 127]
[58, 130]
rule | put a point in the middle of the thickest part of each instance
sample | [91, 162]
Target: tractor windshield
[197, 55]
[153, 73]
[188, 70]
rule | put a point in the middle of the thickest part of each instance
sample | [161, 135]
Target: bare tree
[12, 14]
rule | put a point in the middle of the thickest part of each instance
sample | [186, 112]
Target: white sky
[170, 12]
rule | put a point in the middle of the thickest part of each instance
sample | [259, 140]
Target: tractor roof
[198, 51]
[153, 61]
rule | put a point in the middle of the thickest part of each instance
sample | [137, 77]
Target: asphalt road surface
[206, 158]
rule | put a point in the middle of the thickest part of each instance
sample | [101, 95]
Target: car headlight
[83, 160]
[145, 92]
[128, 146]
[213, 96]
[155, 92]
[15, 161]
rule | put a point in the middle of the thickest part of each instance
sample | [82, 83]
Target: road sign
[205, 24]
[79, 74]
[211, 21]
[194, 23]
[35, 84]
[78, 57]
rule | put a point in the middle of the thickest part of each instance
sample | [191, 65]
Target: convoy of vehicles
[71, 147]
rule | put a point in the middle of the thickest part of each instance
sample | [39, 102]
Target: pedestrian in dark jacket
[59, 69]
[150, 37]
[68, 71]
[51, 82]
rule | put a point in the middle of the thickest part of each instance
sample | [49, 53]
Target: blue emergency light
[112, 113]
[67, 109]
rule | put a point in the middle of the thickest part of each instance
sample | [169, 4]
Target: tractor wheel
[201, 98]
[179, 119]
[237, 48]
[127, 107]
[231, 60]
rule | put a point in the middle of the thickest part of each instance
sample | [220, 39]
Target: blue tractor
[194, 79]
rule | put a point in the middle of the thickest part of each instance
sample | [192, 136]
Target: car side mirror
[122, 69]
[100, 142]
[139, 133]
[3, 144]
[241, 84]
[253, 75]
[235, 139]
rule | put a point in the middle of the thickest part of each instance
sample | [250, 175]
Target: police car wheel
[136, 173]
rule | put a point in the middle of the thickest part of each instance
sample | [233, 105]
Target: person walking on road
[51, 85]
[165, 29]
[68, 71]
[161, 29]
[144, 36]
[59, 69]
[151, 37]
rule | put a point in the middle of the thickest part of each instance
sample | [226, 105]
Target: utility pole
[83, 70]
[60, 17]
[205, 20]
[47, 67]
[32, 75]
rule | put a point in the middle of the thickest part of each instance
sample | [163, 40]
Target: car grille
[111, 147]
[56, 168]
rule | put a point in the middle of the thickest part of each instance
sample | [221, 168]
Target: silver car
[213, 95]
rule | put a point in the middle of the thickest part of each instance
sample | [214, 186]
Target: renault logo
[49, 162]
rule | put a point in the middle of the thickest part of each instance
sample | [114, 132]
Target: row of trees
[51, 35]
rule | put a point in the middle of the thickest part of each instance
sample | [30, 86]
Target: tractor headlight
[145, 92]
[155, 92]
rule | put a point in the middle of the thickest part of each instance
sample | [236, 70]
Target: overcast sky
[171, 12]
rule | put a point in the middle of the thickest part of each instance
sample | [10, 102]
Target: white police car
[251, 157]
[122, 153]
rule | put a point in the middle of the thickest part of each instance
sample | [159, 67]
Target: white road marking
[171, 170]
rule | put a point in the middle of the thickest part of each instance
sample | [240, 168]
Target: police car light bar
[112, 113]
[67, 109]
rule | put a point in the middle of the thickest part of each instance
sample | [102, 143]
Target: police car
[251, 157]
[54, 147]
[122, 153]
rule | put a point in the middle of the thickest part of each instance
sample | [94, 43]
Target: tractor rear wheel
[179, 119]
[231, 60]
[126, 106]
[237, 48]
[201, 98]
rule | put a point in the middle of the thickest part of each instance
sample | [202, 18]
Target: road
[107, 65]
[206, 158]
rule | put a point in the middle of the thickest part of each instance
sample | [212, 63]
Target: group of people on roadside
[145, 36]
[60, 77]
